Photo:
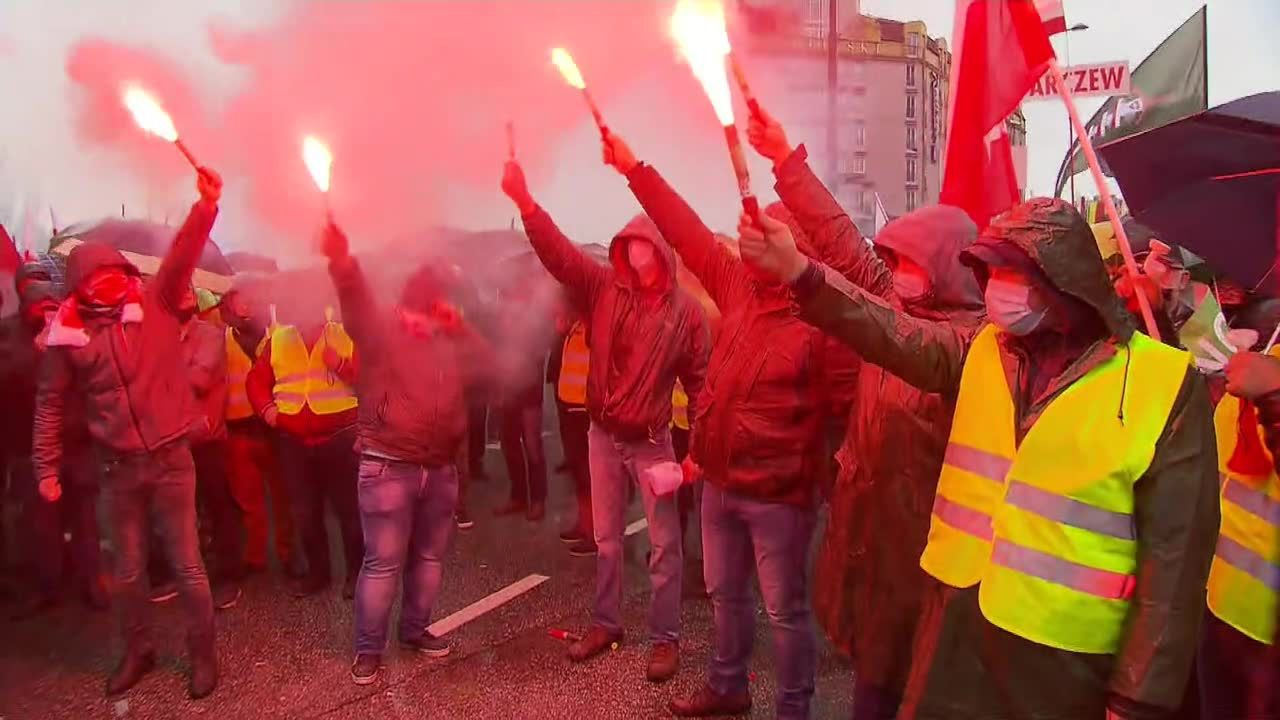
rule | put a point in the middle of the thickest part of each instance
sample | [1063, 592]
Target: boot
[131, 669]
[707, 703]
[204, 668]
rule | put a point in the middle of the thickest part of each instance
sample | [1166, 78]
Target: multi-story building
[893, 83]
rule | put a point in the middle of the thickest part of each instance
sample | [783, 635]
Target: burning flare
[148, 114]
[568, 68]
[319, 160]
[698, 27]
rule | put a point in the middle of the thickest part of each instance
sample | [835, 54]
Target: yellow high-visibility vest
[1045, 527]
[238, 366]
[574, 365]
[302, 379]
[679, 407]
[1244, 580]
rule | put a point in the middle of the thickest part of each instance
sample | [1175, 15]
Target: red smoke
[411, 97]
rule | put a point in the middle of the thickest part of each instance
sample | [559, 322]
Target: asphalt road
[286, 658]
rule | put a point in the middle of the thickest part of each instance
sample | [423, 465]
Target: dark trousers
[156, 489]
[314, 475]
[1239, 676]
[477, 436]
[53, 568]
[575, 423]
[226, 519]
[872, 702]
[522, 447]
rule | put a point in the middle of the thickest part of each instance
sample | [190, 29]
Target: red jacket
[759, 430]
[306, 426]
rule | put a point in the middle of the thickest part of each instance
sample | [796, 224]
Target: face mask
[108, 289]
[910, 285]
[1162, 274]
[1014, 307]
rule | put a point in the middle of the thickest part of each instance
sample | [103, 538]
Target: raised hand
[516, 187]
[617, 154]
[770, 248]
[768, 138]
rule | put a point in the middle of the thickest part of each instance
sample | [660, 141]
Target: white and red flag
[1053, 16]
[1002, 49]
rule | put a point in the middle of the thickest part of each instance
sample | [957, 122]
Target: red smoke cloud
[411, 97]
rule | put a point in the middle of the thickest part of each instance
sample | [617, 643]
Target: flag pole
[1104, 194]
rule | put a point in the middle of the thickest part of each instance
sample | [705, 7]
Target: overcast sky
[45, 162]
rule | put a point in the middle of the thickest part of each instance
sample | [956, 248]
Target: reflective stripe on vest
[238, 366]
[1244, 580]
[302, 379]
[574, 366]
[1061, 554]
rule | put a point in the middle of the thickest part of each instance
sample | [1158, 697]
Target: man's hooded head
[641, 257]
[99, 274]
[1039, 267]
[39, 301]
[923, 249]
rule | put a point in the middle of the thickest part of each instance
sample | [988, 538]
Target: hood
[38, 291]
[422, 290]
[933, 237]
[642, 227]
[31, 271]
[88, 257]
[1054, 236]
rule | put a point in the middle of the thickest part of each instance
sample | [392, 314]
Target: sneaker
[664, 661]
[571, 535]
[463, 518]
[226, 597]
[707, 703]
[364, 671]
[583, 548]
[427, 644]
[164, 593]
[596, 641]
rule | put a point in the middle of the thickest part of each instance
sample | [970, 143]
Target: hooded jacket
[641, 340]
[868, 592]
[964, 667]
[410, 386]
[131, 376]
[758, 431]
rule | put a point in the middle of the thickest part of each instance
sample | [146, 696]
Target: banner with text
[1099, 79]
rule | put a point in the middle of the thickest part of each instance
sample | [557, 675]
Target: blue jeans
[405, 510]
[159, 489]
[615, 464]
[740, 534]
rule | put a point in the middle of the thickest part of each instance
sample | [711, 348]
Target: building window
[860, 134]
[933, 154]
[911, 137]
[911, 106]
[911, 75]
[860, 200]
[860, 164]
[911, 171]
[911, 200]
[913, 45]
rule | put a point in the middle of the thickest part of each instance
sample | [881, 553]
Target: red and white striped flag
[1001, 51]
[1053, 16]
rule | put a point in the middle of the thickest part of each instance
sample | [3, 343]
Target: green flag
[1205, 336]
[1170, 84]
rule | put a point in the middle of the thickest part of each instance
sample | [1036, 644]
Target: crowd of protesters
[1035, 510]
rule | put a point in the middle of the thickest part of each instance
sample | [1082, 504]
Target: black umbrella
[144, 238]
[1211, 183]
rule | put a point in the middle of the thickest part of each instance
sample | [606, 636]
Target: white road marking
[452, 622]
[636, 527]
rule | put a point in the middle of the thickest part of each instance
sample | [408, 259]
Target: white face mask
[910, 285]
[1014, 307]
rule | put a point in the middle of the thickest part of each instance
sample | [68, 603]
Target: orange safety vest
[574, 366]
[238, 366]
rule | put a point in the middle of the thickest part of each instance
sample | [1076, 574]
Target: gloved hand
[1251, 375]
[517, 188]
[617, 154]
[334, 242]
[271, 415]
[209, 185]
[51, 489]
[768, 138]
[692, 472]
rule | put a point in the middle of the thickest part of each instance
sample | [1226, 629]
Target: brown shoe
[707, 703]
[664, 660]
[596, 641]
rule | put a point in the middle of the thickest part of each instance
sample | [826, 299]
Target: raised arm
[564, 260]
[359, 311]
[174, 275]
[929, 355]
[1176, 516]
[833, 236]
[722, 274]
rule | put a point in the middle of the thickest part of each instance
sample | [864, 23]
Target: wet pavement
[286, 658]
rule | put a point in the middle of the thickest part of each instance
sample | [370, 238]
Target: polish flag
[1051, 12]
[9, 257]
[1001, 51]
